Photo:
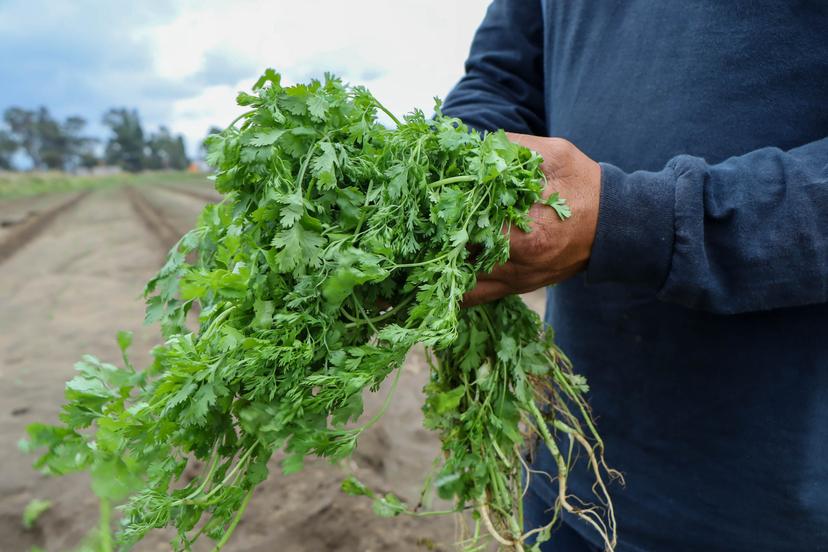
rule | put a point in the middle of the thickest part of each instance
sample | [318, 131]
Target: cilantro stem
[500, 453]
[365, 317]
[387, 112]
[216, 321]
[213, 462]
[235, 522]
[304, 167]
[364, 207]
[351, 317]
[421, 263]
[452, 180]
[431, 513]
[550, 443]
[240, 464]
[360, 322]
[234, 471]
[240, 117]
[562, 379]
[104, 528]
[385, 404]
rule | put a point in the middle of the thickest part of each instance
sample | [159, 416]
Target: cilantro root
[339, 245]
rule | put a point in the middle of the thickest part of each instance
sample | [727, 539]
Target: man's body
[698, 309]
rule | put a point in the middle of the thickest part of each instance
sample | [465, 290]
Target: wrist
[633, 239]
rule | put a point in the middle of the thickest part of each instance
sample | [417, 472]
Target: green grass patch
[29, 184]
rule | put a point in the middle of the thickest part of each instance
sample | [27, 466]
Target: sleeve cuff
[634, 239]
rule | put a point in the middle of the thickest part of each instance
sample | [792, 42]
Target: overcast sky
[181, 62]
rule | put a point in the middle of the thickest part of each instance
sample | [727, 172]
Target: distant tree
[52, 141]
[157, 155]
[180, 160]
[125, 147]
[49, 143]
[80, 149]
[8, 147]
[52, 144]
[88, 159]
[165, 151]
[23, 128]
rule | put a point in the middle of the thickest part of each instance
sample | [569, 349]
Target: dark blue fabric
[701, 321]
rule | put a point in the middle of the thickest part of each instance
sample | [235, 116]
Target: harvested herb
[340, 244]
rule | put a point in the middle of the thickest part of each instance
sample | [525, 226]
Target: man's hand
[554, 250]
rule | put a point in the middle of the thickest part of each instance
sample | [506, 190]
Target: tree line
[51, 144]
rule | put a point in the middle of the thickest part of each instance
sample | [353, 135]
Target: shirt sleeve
[747, 234]
[503, 83]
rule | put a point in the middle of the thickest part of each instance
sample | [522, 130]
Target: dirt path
[15, 213]
[27, 229]
[153, 219]
[69, 290]
[201, 193]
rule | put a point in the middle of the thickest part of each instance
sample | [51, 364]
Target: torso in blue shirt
[719, 423]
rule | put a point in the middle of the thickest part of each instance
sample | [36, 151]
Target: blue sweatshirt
[701, 321]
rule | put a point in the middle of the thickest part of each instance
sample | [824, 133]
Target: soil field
[72, 267]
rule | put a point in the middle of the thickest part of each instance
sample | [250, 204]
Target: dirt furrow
[201, 195]
[153, 219]
[29, 229]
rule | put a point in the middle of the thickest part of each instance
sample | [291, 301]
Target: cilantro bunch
[340, 244]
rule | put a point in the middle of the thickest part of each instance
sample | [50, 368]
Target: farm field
[72, 267]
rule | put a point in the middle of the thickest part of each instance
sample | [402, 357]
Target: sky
[181, 62]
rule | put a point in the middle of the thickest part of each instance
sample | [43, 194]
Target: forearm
[750, 233]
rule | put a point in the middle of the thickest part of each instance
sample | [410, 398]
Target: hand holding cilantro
[553, 250]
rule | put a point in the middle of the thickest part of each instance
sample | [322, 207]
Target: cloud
[222, 67]
[181, 62]
[80, 57]
[406, 52]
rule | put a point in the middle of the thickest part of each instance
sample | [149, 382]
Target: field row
[23, 222]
